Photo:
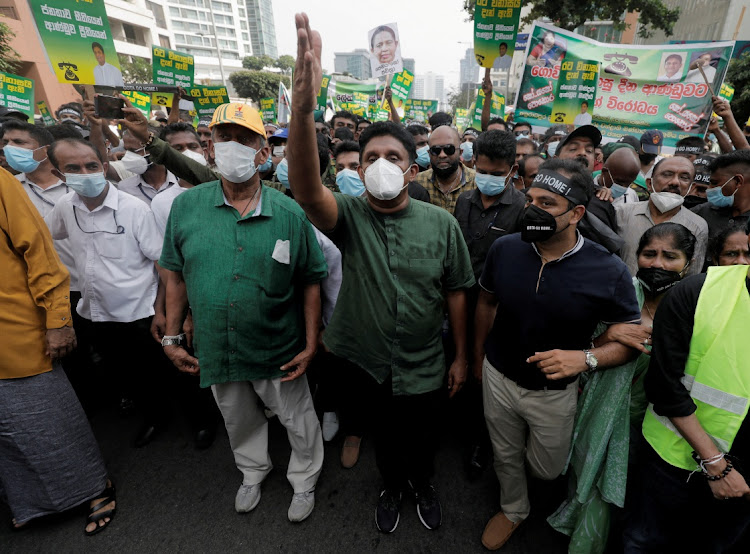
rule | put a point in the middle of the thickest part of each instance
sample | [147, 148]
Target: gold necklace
[645, 305]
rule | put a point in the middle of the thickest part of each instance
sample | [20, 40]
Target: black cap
[555, 131]
[588, 131]
[10, 112]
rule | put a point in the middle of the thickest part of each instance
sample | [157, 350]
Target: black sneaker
[428, 507]
[386, 514]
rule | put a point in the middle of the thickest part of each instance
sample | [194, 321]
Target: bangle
[151, 137]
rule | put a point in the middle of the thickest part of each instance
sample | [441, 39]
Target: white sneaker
[247, 498]
[330, 426]
[302, 505]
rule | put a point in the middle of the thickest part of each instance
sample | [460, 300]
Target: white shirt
[673, 79]
[582, 119]
[139, 188]
[162, 205]
[44, 200]
[329, 287]
[694, 75]
[502, 62]
[116, 270]
[107, 75]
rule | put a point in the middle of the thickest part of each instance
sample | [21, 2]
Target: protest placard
[171, 67]
[78, 41]
[639, 87]
[139, 100]
[358, 97]
[207, 99]
[46, 114]
[462, 119]
[496, 110]
[420, 110]
[385, 50]
[323, 92]
[268, 109]
[17, 93]
[495, 30]
[400, 88]
[162, 99]
[576, 92]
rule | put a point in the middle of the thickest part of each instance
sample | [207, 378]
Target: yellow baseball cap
[240, 114]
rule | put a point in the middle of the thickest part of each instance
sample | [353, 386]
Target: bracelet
[710, 461]
[151, 137]
[722, 474]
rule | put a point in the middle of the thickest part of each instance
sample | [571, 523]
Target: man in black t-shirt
[543, 292]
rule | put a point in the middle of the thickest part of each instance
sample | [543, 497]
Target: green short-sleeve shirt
[390, 308]
[244, 279]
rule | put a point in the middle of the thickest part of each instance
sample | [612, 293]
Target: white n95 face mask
[384, 180]
[200, 158]
[135, 163]
[235, 161]
[665, 201]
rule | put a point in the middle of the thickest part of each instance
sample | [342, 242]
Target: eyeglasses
[449, 149]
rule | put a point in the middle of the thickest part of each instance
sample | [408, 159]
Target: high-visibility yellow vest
[717, 373]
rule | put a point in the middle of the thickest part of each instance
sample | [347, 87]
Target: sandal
[109, 496]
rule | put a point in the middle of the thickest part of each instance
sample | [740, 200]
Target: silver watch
[172, 340]
[591, 360]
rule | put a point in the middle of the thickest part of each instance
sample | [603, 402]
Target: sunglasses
[449, 150]
[522, 133]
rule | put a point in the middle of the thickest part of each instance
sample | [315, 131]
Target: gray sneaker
[247, 498]
[302, 505]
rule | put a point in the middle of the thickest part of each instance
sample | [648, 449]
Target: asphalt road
[174, 498]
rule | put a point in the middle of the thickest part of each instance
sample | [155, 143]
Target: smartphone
[109, 107]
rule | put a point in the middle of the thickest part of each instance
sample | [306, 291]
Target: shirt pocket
[425, 270]
[110, 245]
[278, 271]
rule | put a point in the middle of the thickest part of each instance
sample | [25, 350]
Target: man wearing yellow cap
[249, 263]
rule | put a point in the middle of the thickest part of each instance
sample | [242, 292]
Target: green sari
[598, 461]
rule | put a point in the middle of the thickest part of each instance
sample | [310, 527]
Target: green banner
[140, 101]
[46, 114]
[576, 92]
[462, 119]
[496, 110]
[639, 88]
[268, 109]
[207, 99]
[495, 29]
[78, 41]
[171, 67]
[420, 110]
[359, 98]
[323, 92]
[400, 88]
[18, 93]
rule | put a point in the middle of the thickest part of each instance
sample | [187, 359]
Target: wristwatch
[171, 340]
[591, 360]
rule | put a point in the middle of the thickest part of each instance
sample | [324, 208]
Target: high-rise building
[469, 68]
[262, 27]
[410, 64]
[355, 63]
[429, 86]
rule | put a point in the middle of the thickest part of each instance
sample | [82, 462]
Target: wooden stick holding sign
[700, 68]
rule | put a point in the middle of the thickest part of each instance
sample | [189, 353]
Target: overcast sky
[430, 30]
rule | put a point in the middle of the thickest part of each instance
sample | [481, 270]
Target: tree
[571, 14]
[285, 62]
[257, 84]
[257, 63]
[9, 58]
[138, 70]
[463, 97]
[738, 75]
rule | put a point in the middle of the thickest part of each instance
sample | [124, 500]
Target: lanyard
[42, 198]
[150, 198]
[119, 229]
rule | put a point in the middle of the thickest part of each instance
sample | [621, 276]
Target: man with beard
[447, 178]
[671, 182]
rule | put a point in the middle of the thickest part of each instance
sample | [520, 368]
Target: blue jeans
[671, 514]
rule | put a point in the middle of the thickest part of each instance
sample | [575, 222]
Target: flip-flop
[109, 496]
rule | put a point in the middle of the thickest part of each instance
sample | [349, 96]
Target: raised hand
[308, 73]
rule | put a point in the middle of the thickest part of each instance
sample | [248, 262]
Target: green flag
[17, 93]
[171, 67]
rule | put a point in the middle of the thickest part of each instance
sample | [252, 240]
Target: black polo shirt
[718, 219]
[549, 306]
[482, 227]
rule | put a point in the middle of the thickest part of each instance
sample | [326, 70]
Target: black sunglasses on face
[449, 149]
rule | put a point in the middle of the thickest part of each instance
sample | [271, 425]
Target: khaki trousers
[531, 427]
[247, 427]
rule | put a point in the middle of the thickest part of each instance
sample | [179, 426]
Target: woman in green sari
[613, 402]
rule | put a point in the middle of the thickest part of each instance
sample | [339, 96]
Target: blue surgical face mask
[349, 182]
[282, 173]
[490, 185]
[266, 165]
[716, 198]
[467, 151]
[617, 190]
[423, 156]
[21, 159]
[89, 185]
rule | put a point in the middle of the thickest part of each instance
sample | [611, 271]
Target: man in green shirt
[403, 261]
[247, 261]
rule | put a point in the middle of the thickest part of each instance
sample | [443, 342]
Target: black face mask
[691, 201]
[538, 225]
[656, 280]
[646, 158]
